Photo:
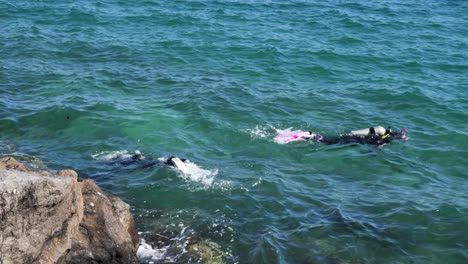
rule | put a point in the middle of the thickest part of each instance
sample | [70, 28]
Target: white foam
[223, 185]
[193, 172]
[258, 132]
[146, 252]
[113, 155]
[257, 182]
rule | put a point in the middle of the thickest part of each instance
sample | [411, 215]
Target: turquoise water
[82, 81]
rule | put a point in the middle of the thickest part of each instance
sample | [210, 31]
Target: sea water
[84, 82]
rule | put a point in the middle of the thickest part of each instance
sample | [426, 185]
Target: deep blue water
[84, 81]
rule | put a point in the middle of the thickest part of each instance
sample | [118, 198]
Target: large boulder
[54, 218]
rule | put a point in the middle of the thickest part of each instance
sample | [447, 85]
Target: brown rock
[103, 229]
[47, 218]
[12, 164]
[68, 173]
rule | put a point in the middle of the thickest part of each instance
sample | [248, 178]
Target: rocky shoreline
[50, 217]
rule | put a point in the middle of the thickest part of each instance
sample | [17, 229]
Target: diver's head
[138, 156]
[388, 130]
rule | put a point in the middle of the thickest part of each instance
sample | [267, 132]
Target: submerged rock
[207, 251]
[171, 247]
[54, 218]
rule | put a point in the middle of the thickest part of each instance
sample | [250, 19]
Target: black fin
[170, 162]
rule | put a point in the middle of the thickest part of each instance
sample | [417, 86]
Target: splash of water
[259, 131]
[147, 253]
[113, 155]
[193, 172]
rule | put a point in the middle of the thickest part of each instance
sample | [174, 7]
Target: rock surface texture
[54, 218]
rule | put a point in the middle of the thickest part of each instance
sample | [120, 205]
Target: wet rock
[170, 247]
[46, 218]
[68, 173]
[207, 251]
[11, 164]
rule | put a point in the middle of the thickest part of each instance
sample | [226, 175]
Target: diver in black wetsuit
[370, 136]
[140, 161]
